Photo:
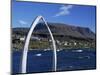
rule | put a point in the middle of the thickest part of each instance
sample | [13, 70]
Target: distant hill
[60, 29]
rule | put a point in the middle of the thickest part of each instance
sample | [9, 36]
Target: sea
[67, 60]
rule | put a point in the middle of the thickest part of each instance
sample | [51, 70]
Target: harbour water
[67, 60]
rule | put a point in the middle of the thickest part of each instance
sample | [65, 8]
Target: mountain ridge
[61, 29]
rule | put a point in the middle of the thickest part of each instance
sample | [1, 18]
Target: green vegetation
[44, 44]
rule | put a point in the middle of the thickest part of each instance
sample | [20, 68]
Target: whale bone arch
[25, 51]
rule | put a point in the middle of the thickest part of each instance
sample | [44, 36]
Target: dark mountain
[60, 29]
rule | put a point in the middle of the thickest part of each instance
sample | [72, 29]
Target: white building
[22, 38]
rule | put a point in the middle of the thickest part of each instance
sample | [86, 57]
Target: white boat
[80, 50]
[38, 54]
[58, 50]
[47, 49]
[77, 50]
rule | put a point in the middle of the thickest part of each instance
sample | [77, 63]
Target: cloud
[64, 10]
[22, 22]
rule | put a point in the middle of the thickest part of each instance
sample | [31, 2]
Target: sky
[23, 13]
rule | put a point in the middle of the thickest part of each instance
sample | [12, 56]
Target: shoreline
[89, 49]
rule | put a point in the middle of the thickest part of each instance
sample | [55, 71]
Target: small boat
[58, 50]
[47, 49]
[77, 50]
[39, 54]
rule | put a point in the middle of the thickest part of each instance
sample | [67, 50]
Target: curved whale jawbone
[25, 51]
